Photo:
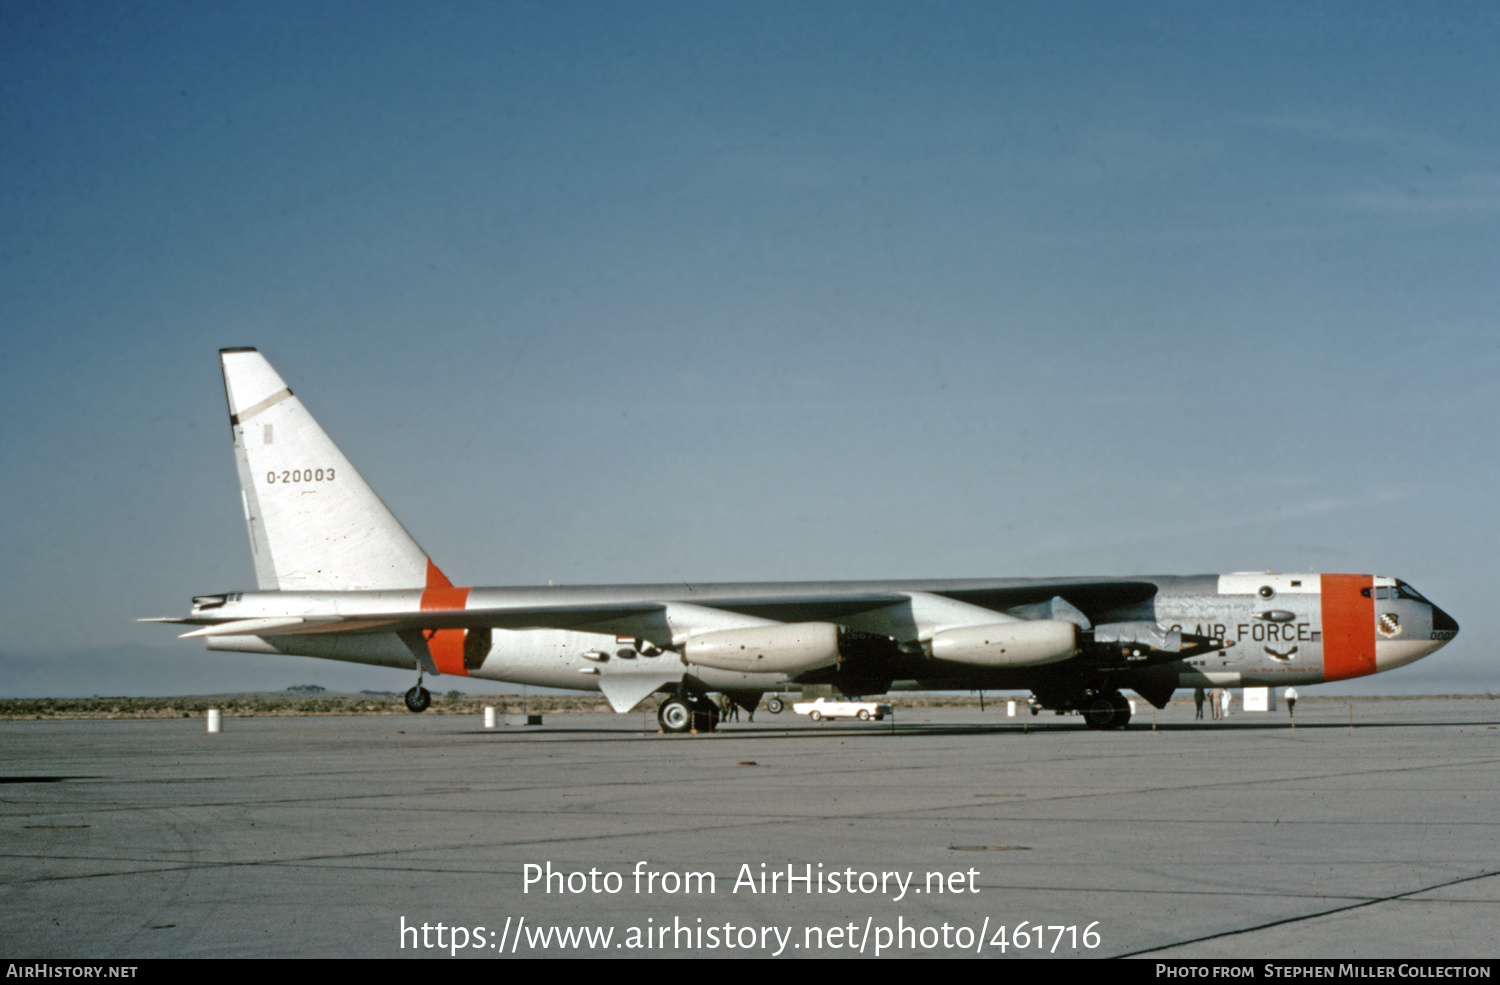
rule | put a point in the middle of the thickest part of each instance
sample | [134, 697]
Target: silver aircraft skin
[339, 578]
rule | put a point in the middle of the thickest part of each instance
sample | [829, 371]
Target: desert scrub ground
[262, 705]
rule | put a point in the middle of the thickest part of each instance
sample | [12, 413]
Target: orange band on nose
[1348, 627]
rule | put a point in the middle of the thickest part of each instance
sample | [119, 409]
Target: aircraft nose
[1444, 626]
[1393, 653]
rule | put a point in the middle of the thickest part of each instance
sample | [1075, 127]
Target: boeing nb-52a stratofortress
[338, 577]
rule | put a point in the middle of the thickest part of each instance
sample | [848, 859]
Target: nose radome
[1390, 654]
[1444, 626]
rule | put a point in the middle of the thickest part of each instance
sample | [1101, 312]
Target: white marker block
[1010, 709]
[215, 720]
[1259, 699]
[489, 716]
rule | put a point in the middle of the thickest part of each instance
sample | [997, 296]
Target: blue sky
[658, 292]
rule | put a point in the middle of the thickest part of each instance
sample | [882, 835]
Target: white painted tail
[315, 525]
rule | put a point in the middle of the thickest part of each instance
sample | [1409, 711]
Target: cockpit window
[1401, 591]
[1405, 591]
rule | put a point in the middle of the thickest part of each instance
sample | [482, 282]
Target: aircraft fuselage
[340, 578]
[1276, 629]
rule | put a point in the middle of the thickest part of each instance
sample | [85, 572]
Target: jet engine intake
[1030, 643]
[782, 648]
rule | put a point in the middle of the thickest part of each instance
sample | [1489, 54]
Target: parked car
[821, 708]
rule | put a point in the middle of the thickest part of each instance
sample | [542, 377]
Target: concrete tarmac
[937, 834]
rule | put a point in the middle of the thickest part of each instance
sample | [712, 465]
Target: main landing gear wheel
[418, 698]
[776, 706]
[674, 715]
[1107, 711]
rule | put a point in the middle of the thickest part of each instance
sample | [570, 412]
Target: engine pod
[776, 649]
[1030, 643]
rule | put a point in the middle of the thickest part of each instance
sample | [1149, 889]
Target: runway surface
[324, 837]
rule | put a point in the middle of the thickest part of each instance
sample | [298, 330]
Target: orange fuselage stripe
[445, 645]
[1348, 627]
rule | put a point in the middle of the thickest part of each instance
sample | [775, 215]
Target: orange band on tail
[445, 645]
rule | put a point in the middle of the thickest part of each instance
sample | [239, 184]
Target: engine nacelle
[777, 649]
[1030, 643]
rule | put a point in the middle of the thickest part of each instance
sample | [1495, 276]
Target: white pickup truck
[821, 708]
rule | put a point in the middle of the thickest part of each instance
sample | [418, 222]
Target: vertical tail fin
[315, 525]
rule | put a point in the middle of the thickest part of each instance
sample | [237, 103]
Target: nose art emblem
[1390, 625]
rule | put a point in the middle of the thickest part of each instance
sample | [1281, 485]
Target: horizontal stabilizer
[595, 616]
[599, 617]
[250, 627]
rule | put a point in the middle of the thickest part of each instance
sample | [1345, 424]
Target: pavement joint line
[1310, 916]
[1031, 798]
[696, 825]
[785, 817]
[312, 861]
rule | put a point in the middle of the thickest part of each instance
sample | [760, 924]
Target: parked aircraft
[338, 577]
